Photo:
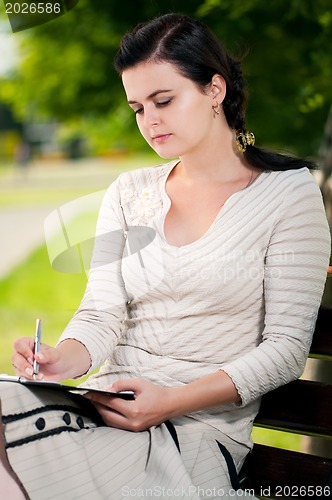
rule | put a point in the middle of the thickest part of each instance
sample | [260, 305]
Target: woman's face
[173, 115]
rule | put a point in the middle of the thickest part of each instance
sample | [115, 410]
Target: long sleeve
[294, 275]
[98, 323]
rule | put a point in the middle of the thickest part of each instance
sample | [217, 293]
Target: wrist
[173, 402]
[180, 401]
[75, 359]
[209, 391]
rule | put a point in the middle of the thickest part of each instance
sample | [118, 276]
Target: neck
[217, 161]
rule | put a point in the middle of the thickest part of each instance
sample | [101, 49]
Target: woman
[203, 293]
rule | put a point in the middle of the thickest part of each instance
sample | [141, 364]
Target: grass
[34, 197]
[35, 290]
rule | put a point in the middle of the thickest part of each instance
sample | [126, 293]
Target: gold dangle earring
[244, 138]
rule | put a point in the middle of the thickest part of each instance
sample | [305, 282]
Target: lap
[59, 448]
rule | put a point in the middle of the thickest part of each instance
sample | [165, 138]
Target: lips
[160, 138]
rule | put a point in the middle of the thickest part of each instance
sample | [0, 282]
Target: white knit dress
[243, 298]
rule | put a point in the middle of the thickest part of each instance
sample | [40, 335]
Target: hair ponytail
[270, 160]
[234, 108]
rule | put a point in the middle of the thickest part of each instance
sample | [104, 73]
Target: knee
[13, 397]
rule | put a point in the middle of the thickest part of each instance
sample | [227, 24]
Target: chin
[167, 153]
[166, 157]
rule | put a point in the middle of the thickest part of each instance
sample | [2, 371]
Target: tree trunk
[319, 370]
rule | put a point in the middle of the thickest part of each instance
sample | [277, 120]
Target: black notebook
[46, 384]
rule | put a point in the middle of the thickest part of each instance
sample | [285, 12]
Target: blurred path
[22, 231]
[45, 186]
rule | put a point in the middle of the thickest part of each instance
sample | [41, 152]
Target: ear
[218, 88]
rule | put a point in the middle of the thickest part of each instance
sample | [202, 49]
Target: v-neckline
[167, 205]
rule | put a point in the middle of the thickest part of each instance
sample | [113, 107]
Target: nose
[151, 117]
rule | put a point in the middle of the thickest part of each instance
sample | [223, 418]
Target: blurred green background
[65, 75]
[66, 130]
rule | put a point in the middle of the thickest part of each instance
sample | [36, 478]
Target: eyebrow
[156, 92]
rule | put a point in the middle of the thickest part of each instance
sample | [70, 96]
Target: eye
[164, 103]
[138, 111]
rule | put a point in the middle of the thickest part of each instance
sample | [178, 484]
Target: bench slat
[302, 407]
[321, 346]
[277, 473]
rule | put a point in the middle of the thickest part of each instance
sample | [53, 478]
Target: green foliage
[67, 66]
[114, 130]
[288, 65]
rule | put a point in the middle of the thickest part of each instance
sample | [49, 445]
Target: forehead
[146, 78]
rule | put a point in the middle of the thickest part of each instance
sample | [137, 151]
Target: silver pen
[36, 346]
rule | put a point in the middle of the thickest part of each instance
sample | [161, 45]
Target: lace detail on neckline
[143, 205]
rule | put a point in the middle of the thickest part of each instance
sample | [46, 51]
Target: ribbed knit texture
[243, 298]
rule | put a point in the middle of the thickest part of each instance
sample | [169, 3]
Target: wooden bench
[302, 407]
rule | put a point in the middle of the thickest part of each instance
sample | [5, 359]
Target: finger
[102, 399]
[97, 398]
[24, 347]
[46, 355]
[23, 368]
[15, 367]
[47, 359]
[23, 356]
[106, 411]
[115, 404]
[129, 384]
[21, 365]
[116, 419]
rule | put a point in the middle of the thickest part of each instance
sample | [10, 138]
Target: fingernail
[29, 371]
[40, 356]
[30, 360]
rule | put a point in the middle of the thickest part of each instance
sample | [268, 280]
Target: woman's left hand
[152, 405]
[155, 404]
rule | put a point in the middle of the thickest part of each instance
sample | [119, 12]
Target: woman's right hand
[50, 359]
